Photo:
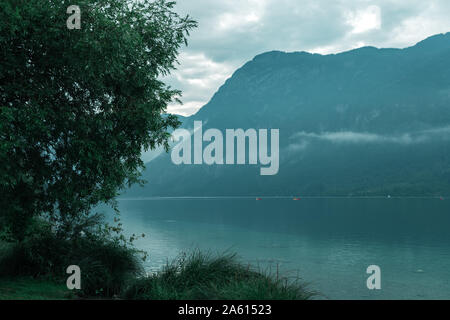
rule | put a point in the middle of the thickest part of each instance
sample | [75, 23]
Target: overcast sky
[232, 32]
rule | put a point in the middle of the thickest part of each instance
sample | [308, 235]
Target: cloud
[296, 147]
[350, 137]
[198, 77]
[232, 32]
[365, 20]
[357, 137]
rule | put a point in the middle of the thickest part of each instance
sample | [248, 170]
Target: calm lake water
[328, 242]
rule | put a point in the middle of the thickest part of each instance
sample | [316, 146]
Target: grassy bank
[190, 277]
[27, 288]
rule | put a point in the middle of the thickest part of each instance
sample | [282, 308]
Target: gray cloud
[302, 139]
[357, 137]
[232, 32]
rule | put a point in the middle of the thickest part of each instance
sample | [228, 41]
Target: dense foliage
[107, 264]
[77, 107]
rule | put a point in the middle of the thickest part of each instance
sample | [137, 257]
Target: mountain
[363, 122]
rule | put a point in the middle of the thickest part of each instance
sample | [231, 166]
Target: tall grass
[201, 276]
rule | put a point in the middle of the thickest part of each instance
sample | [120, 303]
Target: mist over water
[329, 243]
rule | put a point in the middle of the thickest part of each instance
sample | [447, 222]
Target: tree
[77, 106]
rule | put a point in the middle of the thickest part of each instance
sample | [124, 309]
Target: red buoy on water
[441, 198]
[258, 198]
[296, 199]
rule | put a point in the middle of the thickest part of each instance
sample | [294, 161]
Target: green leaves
[78, 106]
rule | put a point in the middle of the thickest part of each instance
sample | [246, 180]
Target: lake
[328, 242]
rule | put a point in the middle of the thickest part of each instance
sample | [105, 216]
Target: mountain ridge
[374, 96]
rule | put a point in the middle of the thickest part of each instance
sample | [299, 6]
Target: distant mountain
[364, 122]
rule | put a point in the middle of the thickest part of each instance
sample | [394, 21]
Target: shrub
[40, 253]
[106, 264]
